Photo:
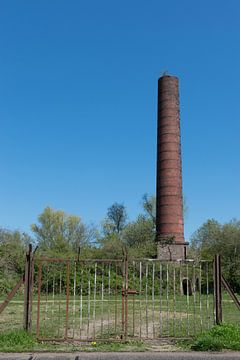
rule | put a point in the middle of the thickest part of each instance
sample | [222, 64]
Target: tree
[205, 242]
[139, 232]
[13, 245]
[139, 237]
[60, 234]
[213, 238]
[149, 206]
[116, 219]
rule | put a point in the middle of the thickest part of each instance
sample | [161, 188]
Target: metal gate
[90, 300]
[81, 300]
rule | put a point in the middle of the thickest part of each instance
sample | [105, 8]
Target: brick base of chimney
[175, 251]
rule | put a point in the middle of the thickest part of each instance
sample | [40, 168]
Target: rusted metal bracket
[129, 291]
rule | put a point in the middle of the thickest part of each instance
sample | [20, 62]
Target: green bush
[226, 336]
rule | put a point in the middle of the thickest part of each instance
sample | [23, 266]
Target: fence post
[28, 284]
[217, 290]
[126, 298]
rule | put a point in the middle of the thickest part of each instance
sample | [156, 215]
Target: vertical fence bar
[123, 294]
[167, 294]
[59, 301]
[39, 298]
[174, 300]
[217, 290]
[133, 299]
[88, 302]
[74, 296]
[116, 298]
[109, 294]
[126, 298]
[81, 302]
[207, 294]
[160, 299]
[181, 295]
[94, 301]
[102, 299]
[140, 298]
[153, 299]
[146, 299]
[28, 290]
[46, 300]
[53, 300]
[188, 332]
[194, 298]
[67, 299]
[200, 295]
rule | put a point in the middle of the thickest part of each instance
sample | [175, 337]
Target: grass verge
[220, 337]
[21, 341]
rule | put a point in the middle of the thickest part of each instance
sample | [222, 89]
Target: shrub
[226, 336]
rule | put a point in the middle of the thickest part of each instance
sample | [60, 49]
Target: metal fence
[107, 299]
[87, 300]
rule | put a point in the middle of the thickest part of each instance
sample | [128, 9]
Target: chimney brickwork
[169, 217]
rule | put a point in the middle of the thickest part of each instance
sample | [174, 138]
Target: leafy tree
[111, 247]
[115, 220]
[213, 238]
[139, 232]
[149, 206]
[205, 241]
[13, 245]
[60, 234]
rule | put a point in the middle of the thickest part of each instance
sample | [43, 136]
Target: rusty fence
[87, 300]
[118, 299]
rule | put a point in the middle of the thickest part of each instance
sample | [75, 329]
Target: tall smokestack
[169, 216]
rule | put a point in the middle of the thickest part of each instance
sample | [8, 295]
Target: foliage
[220, 337]
[60, 234]
[12, 256]
[149, 206]
[115, 220]
[139, 232]
[213, 238]
[111, 247]
[16, 341]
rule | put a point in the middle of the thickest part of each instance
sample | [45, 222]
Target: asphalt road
[123, 356]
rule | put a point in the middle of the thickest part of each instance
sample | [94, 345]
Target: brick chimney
[169, 216]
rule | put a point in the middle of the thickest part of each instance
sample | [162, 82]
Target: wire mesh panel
[80, 300]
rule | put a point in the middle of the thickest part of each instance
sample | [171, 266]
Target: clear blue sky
[78, 109]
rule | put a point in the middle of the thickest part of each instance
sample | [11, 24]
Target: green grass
[16, 341]
[220, 337]
[21, 341]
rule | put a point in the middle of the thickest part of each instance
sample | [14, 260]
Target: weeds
[226, 336]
